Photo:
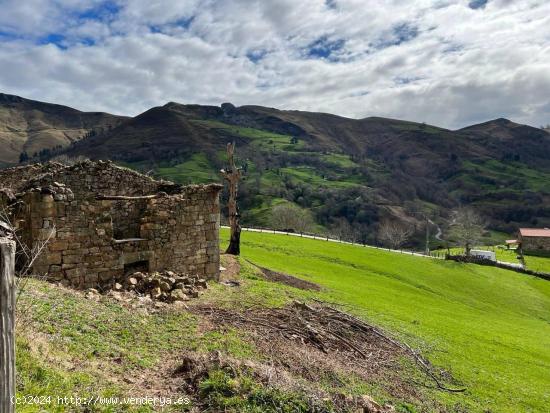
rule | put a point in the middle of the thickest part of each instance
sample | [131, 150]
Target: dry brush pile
[305, 345]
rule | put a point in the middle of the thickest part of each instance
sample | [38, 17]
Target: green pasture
[489, 327]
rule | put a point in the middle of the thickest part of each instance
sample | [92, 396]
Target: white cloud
[435, 61]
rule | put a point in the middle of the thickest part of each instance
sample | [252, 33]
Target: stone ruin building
[102, 221]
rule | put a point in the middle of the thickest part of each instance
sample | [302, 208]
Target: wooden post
[233, 175]
[7, 325]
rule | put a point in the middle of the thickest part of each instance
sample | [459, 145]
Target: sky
[448, 63]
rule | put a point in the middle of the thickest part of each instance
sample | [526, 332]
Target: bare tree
[290, 217]
[25, 255]
[343, 230]
[467, 228]
[393, 233]
[232, 175]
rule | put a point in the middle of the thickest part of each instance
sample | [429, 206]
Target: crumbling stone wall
[88, 179]
[93, 241]
[17, 177]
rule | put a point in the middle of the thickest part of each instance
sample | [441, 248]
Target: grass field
[497, 176]
[195, 170]
[337, 159]
[68, 345]
[312, 177]
[489, 327]
[262, 139]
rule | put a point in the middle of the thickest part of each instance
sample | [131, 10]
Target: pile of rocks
[165, 286]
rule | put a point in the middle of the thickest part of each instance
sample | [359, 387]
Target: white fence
[324, 238]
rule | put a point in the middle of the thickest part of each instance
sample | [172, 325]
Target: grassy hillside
[487, 327]
[268, 179]
[373, 180]
[490, 327]
[33, 127]
[362, 171]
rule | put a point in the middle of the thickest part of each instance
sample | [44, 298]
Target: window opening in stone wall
[126, 219]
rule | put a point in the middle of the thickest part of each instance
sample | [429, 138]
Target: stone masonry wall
[177, 230]
[185, 231]
[536, 245]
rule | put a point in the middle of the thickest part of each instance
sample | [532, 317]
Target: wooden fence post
[7, 325]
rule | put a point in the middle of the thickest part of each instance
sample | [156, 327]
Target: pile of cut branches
[327, 329]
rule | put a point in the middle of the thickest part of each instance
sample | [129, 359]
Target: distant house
[534, 241]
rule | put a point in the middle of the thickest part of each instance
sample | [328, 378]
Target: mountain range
[353, 172]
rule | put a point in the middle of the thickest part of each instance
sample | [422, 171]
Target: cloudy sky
[449, 63]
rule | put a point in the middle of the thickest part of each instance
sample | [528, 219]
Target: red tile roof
[535, 232]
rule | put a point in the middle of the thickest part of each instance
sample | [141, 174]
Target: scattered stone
[178, 295]
[92, 294]
[156, 293]
[116, 295]
[118, 286]
[166, 286]
[144, 299]
[370, 405]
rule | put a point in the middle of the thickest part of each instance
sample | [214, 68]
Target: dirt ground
[288, 279]
[230, 268]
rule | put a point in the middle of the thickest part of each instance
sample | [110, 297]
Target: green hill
[487, 328]
[362, 171]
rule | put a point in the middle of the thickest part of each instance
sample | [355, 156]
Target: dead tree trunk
[232, 175]
[7, 325]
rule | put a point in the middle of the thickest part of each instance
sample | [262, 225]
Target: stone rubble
[166, 286]
[155, 289]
